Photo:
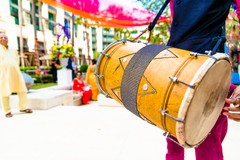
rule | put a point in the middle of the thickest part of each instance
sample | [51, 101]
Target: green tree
[160, 33]
[152, 5]
[120, 33]
[96, 54]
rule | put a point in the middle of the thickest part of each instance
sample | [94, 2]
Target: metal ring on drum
[97, 76]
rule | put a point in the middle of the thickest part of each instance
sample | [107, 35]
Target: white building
[46, 19]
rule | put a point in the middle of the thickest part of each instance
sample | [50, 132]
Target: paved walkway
[90, 132]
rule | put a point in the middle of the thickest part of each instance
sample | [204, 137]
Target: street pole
[73, 19]
[36, 46]
[20, 28]
[88, 49]
[43, 30]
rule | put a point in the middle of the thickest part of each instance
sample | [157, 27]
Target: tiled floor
[90, 132]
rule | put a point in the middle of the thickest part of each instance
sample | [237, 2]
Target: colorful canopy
[107, 13]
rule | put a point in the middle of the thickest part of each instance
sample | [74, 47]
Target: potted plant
[64, 50]
[62, 53]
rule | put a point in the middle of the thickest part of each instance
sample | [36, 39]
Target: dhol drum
[177, 90]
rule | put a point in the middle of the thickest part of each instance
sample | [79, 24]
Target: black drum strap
[154, 22]
[134, 72]
[220, 41]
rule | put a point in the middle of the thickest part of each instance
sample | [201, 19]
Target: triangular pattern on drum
[146, 87]
[166, 54]
[116, 91]
[125, 60]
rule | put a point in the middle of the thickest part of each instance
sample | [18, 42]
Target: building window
[94, 34]
[94, 39]
[51, 18]
[28, 18]
[25, 44]
[37, 18]
[66, 14]
[51, 23]
[67, 22]
[36, 15]
[108, 37]
[93, 30]
[75, 30]
[41, 47]
[37, 24]
[14, 10]
[94, 46]
[80, 51]
[82, 59]
[67, 31]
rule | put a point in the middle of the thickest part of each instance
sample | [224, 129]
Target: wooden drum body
[177, 90]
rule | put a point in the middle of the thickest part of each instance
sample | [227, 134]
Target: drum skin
[198, 106]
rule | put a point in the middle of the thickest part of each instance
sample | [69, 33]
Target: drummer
[195, 26]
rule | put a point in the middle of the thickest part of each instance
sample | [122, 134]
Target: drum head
[202, 106]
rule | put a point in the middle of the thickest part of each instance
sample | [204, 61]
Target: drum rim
[189, 94]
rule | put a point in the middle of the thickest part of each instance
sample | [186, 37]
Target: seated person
[79, 87]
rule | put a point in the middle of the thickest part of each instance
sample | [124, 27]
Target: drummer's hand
[233, 112]
[235, 97]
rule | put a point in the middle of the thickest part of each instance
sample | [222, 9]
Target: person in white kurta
[11, 79]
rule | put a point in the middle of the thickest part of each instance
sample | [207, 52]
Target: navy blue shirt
[197, 22]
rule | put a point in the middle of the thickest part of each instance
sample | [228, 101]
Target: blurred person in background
[11, 79]
[90, 79]
[79, 87]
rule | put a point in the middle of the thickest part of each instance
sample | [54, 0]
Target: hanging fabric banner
[107, 13]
